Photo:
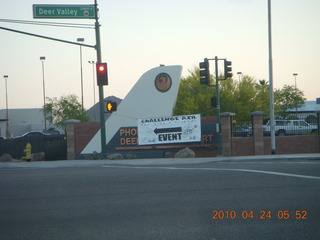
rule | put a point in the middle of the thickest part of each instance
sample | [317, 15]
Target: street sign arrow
[167, 130]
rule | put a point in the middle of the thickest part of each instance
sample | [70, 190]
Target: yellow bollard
[27, 150]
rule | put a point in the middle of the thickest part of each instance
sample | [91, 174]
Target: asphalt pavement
[162, 161]
[265, 197]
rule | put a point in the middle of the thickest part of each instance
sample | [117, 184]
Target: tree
[289, 97]
[193, 98]
[227, 93]
[240, 97]
[263, 96]
[67, 107]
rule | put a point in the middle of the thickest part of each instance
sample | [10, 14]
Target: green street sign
[63, 11]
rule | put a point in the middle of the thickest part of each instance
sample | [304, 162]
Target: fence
[285, 124]
[258, 143]
[242, 126]
[54, 146]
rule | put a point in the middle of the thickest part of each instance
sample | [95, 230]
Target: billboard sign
[173, 129]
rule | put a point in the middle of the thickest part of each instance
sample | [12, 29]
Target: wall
[294, 144]
[259, 144]
[79, 134]
[243, 146]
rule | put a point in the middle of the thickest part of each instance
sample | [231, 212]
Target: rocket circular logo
[163, 82]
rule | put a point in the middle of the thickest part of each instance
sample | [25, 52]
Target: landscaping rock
[185, 153]
[115, 156]
[40, 156]
[6, 157]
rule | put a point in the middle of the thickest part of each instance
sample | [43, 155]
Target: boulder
[115, 156]
[185, 153]
[6, 157]
[40, 156]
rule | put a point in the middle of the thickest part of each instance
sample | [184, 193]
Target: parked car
[34, 133]
[290, 127]
[243, 131]
[52, 132]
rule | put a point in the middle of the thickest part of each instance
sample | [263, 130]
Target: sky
[137, 35]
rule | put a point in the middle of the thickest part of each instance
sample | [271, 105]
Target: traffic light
[227, 69]
[111, 107]
[102, 74]
[204, 72]
[214, 101]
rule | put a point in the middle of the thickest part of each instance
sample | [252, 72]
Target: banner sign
[174, 129]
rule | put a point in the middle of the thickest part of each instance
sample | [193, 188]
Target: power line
[50, 24]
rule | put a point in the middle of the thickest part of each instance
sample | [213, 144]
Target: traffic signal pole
[205, 79]
[218, 107]
[101, 95]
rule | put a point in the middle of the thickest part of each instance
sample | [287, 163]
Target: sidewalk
[160, 161]
[283, 157]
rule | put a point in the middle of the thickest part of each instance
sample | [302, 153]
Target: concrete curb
[283, 157]
[160, 161]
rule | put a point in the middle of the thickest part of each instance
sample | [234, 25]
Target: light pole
[94, 90]
[295, 86]
[239, 74]
[7, 111]
[82, 108]
[42, 59]
[272, 122]
[295, 80]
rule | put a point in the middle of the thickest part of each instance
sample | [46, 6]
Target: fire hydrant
[27, 150]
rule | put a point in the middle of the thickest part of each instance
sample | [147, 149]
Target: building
[309, 107]
[21, 121]
[308, 111]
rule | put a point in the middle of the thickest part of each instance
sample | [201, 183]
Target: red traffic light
[102, 74]
[101, 68]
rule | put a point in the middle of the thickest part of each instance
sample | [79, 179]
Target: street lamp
[295, 87]
[271, 93]
[239, 74]
[7, 111]
[42, 59]
[295, 80]
[82, 109]
[94, 89]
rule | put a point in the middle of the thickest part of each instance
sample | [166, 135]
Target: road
[205, 200]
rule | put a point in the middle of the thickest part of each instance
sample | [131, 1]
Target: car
[51, 131]
[291, 127]
[243, 131]
[34, 133]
